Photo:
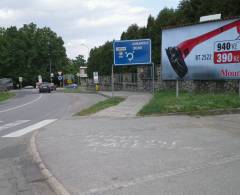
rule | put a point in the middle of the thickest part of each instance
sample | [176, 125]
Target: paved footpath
[128, 108]
[144, 155]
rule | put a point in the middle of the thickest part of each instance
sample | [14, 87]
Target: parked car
[29, 87]
[73, 85]
[53, 86]
[45, 87]
[6, 84]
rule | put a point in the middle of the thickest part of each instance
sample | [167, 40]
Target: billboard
[207, 51]
[132, 52]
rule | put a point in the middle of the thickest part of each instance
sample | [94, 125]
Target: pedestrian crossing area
[21, 127]
[13, 124]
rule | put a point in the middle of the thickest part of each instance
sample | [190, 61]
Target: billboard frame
[231, 20]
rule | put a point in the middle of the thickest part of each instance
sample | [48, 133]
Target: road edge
[56, 186]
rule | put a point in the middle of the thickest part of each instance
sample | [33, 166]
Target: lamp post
[50, 62]
[88, 49]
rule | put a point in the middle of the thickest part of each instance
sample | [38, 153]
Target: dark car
[45, 87]
[52, 86]
[6, 84]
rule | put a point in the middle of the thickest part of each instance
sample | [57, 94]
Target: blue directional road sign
[132, 52]
[60, 77]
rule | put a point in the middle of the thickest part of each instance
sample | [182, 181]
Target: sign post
[239, 88]
[20, 79]
[132, 53]
[177, 88]
[78, 76]
[112, 80]
[153, 78]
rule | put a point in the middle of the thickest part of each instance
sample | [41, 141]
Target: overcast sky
[78, 22]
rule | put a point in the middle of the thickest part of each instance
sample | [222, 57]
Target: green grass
[71, 90]
[199, 103]
[5, 95]
[100, 106]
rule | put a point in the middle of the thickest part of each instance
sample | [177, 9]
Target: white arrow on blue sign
[132, 52]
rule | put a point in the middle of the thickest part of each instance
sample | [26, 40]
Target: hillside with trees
[28, 52]
[188, 11]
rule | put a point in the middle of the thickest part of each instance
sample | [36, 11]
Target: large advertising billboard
[207, 51]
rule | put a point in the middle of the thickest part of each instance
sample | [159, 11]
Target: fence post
[112, 81]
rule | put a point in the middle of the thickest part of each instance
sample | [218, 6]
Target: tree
[188, 11]
[73, 66]
[28, 52]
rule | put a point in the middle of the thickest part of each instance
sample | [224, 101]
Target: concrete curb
[104, 95]
[56, 186]
[196, 113]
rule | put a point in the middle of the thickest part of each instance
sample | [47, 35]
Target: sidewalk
[128, 108]
[143, 155]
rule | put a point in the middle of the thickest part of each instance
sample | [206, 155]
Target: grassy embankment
[195, 103]
[72, 90]
[100, 106]
[5, 95]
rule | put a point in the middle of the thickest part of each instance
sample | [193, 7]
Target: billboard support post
[112, 80]
[153, 78]
[239, 88]
[177, 88]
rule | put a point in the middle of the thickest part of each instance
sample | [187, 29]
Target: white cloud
[9, 14]
[91, 22]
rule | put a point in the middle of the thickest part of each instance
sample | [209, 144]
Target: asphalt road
[19, 117]
[144, 155]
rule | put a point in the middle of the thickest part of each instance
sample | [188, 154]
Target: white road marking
[13, 124]
[162, 175]
[30, 128]
[20, 106]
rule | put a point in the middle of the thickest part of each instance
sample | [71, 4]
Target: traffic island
[101, 106]
[166, 102]
[6, 95]
[72, 90]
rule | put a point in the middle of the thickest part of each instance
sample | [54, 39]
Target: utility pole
[50, 62]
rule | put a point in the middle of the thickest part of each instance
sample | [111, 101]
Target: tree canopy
[28, 52]
[188, 11]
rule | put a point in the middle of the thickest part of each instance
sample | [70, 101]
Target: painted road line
[20, 106]
[13, 124]
[30, 128]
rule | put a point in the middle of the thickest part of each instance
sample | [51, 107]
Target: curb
[56, 186]
[196, 113]
[104, 95]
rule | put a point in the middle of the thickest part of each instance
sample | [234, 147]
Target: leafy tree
[73, 66]
[101, 59]
[28, 52]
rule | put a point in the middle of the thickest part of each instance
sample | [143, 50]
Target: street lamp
[88, 49]
[50, 62]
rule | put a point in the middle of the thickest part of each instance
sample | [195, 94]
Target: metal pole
[177, 89]
[50, 64]
[153, 78]
[239, 88]
[112, 81]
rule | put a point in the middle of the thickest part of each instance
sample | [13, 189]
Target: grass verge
[100, 106]
[196, 103]
[72, 90]
[5, 95]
